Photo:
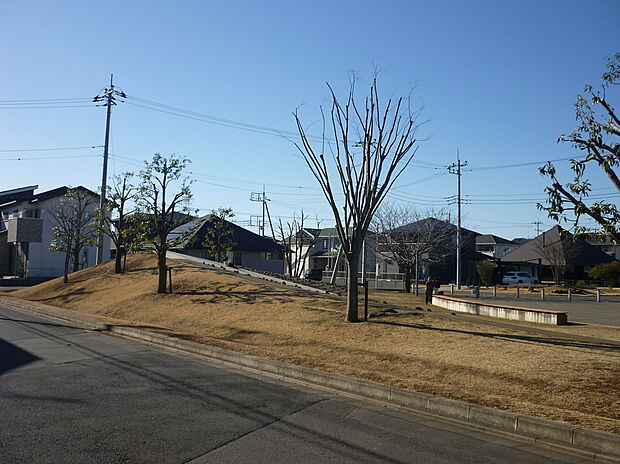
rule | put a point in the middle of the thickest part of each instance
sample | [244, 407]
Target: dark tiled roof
[18, 194]
[492, 239]
[59, 192]
[580, 253]
[245, 240]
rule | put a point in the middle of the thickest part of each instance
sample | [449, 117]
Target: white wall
[42, 261]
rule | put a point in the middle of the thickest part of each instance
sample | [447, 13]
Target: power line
[39, 158]
[45, 100]
[45, 107]
[507, 166]
[10, 150]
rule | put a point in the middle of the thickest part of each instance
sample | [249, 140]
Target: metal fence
[534, 294]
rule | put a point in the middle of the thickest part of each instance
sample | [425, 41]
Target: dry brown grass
[572, 381]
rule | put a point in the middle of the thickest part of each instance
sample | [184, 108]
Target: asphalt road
[74, 396]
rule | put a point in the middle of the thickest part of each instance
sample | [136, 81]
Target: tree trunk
[65, 277]
[76, 260]
[352, 267]
[407, 280]
[118, 264]
[161, 266]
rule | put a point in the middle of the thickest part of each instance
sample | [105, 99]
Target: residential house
[321, 246]
[441, 267]
[537, 256]
[607, 246]
[250, 250]
[319, 249]
[26, 224]
[493, 246]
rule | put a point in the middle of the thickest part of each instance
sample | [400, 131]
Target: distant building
[493, 246]
[607, 246]
[321, 246]
[532, 258]
[26, 223]
[250, 250]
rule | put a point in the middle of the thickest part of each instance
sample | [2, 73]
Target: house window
[272, 256]
[326, 244]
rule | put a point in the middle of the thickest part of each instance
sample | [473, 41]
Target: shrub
[609, 272]
[485, 271]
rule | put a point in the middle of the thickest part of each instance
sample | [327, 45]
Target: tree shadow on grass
[226, 293]
[526, 339]
[65, 297]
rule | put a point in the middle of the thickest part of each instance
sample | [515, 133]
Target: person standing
[428, 294]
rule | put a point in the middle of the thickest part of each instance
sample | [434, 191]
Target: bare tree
[558, 251]
[115, 220]
[373, 142]
[75, 226]
[411, 237]
[297, 242]
[599, 136]
[161, 210]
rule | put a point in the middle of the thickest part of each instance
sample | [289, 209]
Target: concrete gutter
[590, 444]
[515, 313]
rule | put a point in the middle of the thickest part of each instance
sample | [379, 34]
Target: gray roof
[581, 253]
[490, 239]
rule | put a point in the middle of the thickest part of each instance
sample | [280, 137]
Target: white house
[26, 223]
[494, 246]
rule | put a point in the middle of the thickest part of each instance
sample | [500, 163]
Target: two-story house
[493, 246]
[26, 224]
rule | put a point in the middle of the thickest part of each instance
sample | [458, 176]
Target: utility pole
[263, 231]
[108, 95]
[537, 224]
[455, 168]
[262, 197]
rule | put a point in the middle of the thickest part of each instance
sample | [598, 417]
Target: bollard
[542, 293]
[569, 295]
[365, 285]
[598, 295]
[494, 291]
[518, 293]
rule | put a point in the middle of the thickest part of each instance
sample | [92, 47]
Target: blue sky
[497, 81]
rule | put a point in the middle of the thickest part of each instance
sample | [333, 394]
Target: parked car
[313, 274]
[516, 277]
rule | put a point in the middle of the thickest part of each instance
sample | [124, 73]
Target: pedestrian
[428, 295]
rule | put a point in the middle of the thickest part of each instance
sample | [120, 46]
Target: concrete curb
[587, 443]
[499, 311]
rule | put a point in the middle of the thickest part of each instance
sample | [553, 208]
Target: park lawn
[570, 381]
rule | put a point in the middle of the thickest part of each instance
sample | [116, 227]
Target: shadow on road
[12, 357]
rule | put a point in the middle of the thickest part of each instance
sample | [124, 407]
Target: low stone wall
[540, 316]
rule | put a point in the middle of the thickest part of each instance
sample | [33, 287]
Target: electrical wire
[50, 149]
[507, 166]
